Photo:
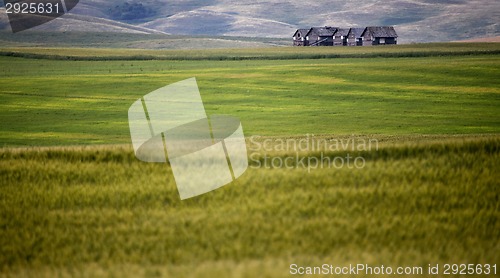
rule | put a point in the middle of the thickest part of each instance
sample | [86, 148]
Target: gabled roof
[326, 31]
[342, 32]
[381, 32]
[357, 32]
[302, 32]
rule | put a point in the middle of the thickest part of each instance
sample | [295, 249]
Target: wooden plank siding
[379, 35]
[340, 37]
[321, 36]
[354, 37]
[299, 38]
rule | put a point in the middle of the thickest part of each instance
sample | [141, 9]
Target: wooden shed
[374, 35]
[321, 36]
[340, 37]
[354, 37]
[299, 37]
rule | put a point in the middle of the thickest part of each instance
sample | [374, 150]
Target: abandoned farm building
[334, 36]
[354, 37]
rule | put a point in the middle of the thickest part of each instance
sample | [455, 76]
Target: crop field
[74, 200]
[73, 52]
[53, 102]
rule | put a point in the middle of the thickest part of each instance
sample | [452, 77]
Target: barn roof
[357, 32]
[381, 31]
[342, 32]
[326, 31]
[302, 32]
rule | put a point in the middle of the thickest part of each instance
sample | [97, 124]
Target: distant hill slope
[83, 23]
[220, 23]
[489, 39]
[415, 20]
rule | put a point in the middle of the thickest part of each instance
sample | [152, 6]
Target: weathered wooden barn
[321, 36]
[299, 38]
[379, 35]
[334, 36]
[340, 37]
[354, 37]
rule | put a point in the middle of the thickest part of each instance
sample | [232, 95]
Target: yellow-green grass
[53, 102]
[273, 53]
[98, 211]
[94, 210]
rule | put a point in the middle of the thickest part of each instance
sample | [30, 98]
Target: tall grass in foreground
[97, 211]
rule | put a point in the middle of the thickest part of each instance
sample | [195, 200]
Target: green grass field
[74, 201]
[73, 52]
[86, 102]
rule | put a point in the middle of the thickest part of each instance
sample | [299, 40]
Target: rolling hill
[415, 20]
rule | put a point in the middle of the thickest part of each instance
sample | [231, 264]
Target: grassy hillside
[115, 40]
[415, 21]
